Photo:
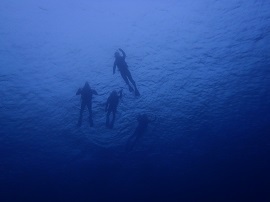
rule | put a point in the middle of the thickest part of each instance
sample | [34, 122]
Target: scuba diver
[86, 100]
[111, 107]
[141, 128]
[123, 68]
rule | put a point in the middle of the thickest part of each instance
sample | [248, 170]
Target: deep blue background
[203, 70]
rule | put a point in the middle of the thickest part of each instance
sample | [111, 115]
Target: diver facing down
[111, 107]
[141, 128]
[86, 100]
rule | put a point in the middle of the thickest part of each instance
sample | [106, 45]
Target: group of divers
[112, 102]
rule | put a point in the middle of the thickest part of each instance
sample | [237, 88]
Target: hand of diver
[120, 93]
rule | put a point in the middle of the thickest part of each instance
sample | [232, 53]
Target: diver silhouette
[111, 107]
[124, 71]
[141, 128]
[86, 100]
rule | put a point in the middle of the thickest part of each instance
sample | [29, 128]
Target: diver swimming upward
[124, 71]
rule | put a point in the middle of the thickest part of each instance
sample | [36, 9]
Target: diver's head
[142, 118]
[86, 85]
[116, 54]
[114, 93]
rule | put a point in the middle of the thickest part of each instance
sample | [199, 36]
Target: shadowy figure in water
[111, 107]
[124, 71]
[86, 100]
[143, 122]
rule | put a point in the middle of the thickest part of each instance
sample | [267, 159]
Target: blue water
[203, 71]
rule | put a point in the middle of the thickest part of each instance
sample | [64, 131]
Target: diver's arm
[120, 93]
[114, 67]
[124, 54]
[94, 92]
[79, 91]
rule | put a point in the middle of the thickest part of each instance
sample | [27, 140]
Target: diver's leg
[83, 104]
[128, 74]
[108, 119]
[89, 106]
[113, 119]
[131, 142]
[124, 76]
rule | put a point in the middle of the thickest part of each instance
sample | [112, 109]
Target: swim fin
[137, 93]
[131, 89]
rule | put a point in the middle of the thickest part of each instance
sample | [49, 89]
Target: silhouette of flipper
[130, 89]
[137, 93]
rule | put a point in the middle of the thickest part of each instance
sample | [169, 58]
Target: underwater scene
[135, 100]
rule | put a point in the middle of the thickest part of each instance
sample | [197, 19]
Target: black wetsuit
[124, 71]
[111, 107]
[86, 100]
[143, 122]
